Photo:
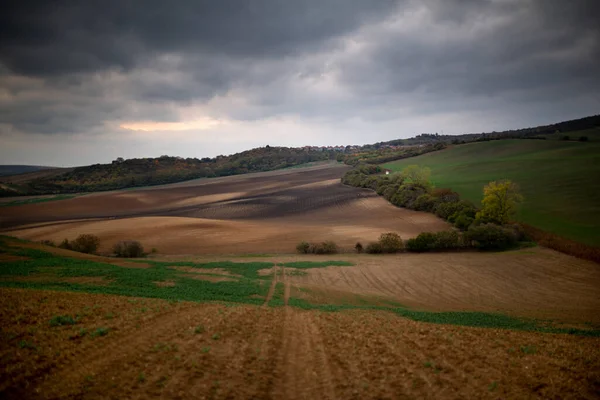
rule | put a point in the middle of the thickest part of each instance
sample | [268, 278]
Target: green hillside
[559, 179]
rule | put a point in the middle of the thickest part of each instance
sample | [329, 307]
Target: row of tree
[412, 189]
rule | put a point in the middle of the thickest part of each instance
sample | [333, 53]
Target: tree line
[487, 226]
[161, 170]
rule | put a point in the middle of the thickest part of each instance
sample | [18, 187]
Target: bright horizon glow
[151, 126]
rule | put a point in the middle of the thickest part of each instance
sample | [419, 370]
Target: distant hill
[20, 169]
[165, 169]
[155, 171]
[588, 127]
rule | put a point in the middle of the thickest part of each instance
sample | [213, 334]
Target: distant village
[353, 148]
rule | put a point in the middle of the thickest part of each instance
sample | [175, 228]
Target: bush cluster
[327, 247]
[389, 242]
[84, 243]
[491, 236]
[128, 249]
[438, 241]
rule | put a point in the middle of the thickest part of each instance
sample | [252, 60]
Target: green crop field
[559, 180]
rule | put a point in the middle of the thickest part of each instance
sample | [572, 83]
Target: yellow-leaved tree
[500, 201]
[417, 175]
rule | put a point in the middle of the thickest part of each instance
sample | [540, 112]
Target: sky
[86, 82]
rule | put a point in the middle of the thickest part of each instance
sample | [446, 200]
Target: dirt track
[154, 349]
[267, 212]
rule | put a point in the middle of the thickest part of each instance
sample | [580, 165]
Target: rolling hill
[559, 180]
[20, 169]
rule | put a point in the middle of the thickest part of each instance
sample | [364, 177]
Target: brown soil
[152, 350]
[268, 212]
[88, 280]
[165, 284]
[10, 258]
[536, 282]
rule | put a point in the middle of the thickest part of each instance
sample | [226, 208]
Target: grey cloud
[46, 38]
[74, 67]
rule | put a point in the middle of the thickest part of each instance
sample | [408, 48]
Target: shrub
[423, 242]
[86, 243]
[128, 249]
[462, 221]
[327, 247]
[390, 242]
[428, 241]
[47, 242]
[424, 202]
[491, 236]
[447, 240]
[358, 247]
[374, 248]
[446, 210]
[583, 138]
[303, 248]
[407, 195]
[65, 244]
[389, 192]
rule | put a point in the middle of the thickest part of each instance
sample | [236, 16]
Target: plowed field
[266, 212]
[141, 348]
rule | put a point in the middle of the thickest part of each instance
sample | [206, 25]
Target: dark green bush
[374, 248]
[423, 242]
[462, 221]
[390, 191]
[447, 240]
[390, 242]
[491, 237]
[425, 202]
[128, 249]
[438, 241]
[446, 210]
[407, 194]
[47, 242]
[303, 247]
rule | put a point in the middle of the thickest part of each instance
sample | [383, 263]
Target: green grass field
[559, 180]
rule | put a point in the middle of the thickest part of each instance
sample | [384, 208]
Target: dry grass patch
[165, 284]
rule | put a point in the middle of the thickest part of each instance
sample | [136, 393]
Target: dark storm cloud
[484, 48]
[59, 37]
[78, 67]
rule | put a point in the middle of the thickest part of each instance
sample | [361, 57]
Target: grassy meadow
[559, 180]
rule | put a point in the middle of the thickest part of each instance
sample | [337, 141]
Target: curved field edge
[242, 283]
[557, 180]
